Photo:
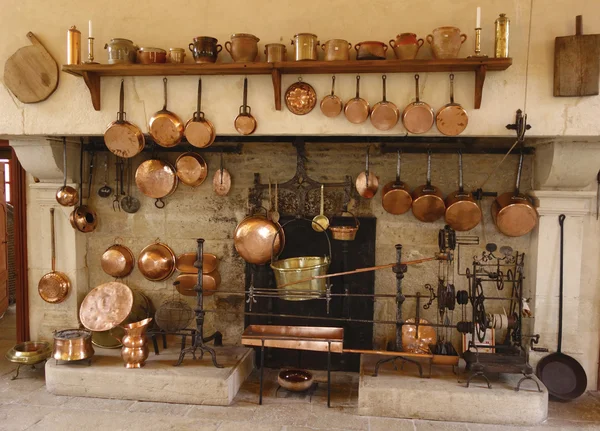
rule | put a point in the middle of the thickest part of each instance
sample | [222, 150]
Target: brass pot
[253, 239]
[29, 352]
[371, 50]
[243, 47]
[275, 52]
[205, 49]
[84, 219]
[336, 49]
[72, 345]
[147, 55]
[156, 261]
[305, 45]
[117, 261]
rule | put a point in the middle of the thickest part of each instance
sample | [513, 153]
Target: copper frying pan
[384, 114]
[165, 127]
[245, 123]
[198, 130]
[331, 105]
[121, 137]
[418, 116]
[462, 212]
[54, 286]
[156, 179]
[428, 201]
[395, 197]
[192, 170]
[222, 180]
[451, 119]
[367, 183]
[357, 110]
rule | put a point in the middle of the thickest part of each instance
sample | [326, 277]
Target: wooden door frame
[18, 180]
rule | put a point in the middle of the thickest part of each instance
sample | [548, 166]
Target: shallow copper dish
[300, 98]
[156, 261]
[117, 261]
[106, 306]
[187, 283]
[295, 380]
[192, 169]
[185, 263]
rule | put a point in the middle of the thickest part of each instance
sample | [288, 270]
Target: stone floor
[25, 405]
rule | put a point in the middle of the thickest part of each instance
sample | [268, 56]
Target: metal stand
[199, 340]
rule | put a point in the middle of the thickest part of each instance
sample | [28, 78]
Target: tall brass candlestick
[90, 59]
[478, 42]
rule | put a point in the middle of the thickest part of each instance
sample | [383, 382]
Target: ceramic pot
[305, 45]
[176, 55]
[370, 50]
[275, 52]
[243, 47]
[121, 51]
[406, 46]
[205, 49]
[336, 49]
[135, 346]
[446, 42]
[151, 55]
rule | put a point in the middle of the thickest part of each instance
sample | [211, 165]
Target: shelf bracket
[276, 76]
[92, 80]
[479, 80]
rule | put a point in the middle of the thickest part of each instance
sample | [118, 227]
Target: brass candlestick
[478, 43]
[90, 59]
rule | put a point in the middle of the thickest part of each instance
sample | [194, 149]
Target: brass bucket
[295, 269]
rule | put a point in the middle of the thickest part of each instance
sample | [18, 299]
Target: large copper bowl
[254, 239]
[117, 261]
[156, 262]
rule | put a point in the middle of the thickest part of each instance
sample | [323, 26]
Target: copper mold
[300, 98]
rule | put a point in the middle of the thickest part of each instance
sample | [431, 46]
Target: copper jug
[135, 346]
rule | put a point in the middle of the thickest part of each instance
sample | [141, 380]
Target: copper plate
[156, 261]
[185, 263]
[106, 306]
[300, 98]
[192, 170]
[156, 178]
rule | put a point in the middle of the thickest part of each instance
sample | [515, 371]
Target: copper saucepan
[395, 197]
[117, 261]
[222, 180]
[245, 123]
[428, 201]
[384, 114]
[254, 239]
[462, 212]
[513, 212]
[192, 170]
[331, 105]
[451, 119]
[418, 116]
[156, 179]
[66, 196]
[367, 183]
[121, 137]
[165, 127]
[357, 110]
[198, 130]
[156, 261]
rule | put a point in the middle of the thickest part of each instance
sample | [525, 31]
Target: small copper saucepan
[121, 137]
[428, 201]
[165, 127]
[451, 119]
[198, 130]
[245, 123]
[367, 183]
[66, 196]
[357, 110]
[384, 114]
[331, 105]
[395, 197]
[418, 116]
[462, 212]
[117, 261]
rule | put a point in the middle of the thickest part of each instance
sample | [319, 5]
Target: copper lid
[106, 306]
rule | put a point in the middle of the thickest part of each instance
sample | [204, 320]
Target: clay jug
[135, 345]
[446, 42]
[406, 46]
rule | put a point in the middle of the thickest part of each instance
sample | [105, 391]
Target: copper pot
[370, 50]
[428, 201]
[243, 47]
[117, 261]
[446, 42]
[151, 55]
[305, 45]
[156, 261]
[462, 212]
[205, 49]
[336, 49]
[275, 52]
[395, 197]
[84, 219]
[254, 239]
[406, 46]
[72, 345]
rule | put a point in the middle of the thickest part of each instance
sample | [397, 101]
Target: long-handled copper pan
[451, 119]
[367, 183]
[418, 116]
[462, 212]
[428, 202]
[245, 123]
[357, 110]
[165, 127]
[384, 114]
[331, 105]
[198, 130]
[121, 137]
[54, 286]
[513, 212]
[395, 197]
[222, 180]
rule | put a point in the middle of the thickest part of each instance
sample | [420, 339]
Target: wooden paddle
[577, 63]
[31, 73]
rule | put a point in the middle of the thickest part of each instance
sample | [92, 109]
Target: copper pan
[66, 196]
[366, 182]
[245, 123]
[187, 283]
[165, 127]
[222, 180]
[198, 130]
[185, 263]
[452, 118]
[513, 212]
[462, 212]
[428, 201]
[331, 105]
[418, 116]
[191, 169]
[384, 114]
[254, 239]
[121, 137]
[54, 286]
[117, 261]
[84, 219]
[156, 261]
[357, 110]
[156, 179]
[395, 197]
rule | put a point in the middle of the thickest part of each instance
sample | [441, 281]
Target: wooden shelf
[91, 73]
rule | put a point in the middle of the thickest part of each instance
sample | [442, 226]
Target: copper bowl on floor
[295, 380]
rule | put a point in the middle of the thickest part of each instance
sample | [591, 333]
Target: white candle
[90, 27]
[478, 25]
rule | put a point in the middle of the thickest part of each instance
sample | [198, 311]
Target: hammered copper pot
[336, 50]
[446, 42]
[243, 47]
[72, 345]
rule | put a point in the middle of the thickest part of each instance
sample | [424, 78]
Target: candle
[90, 26]
[478, 25]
